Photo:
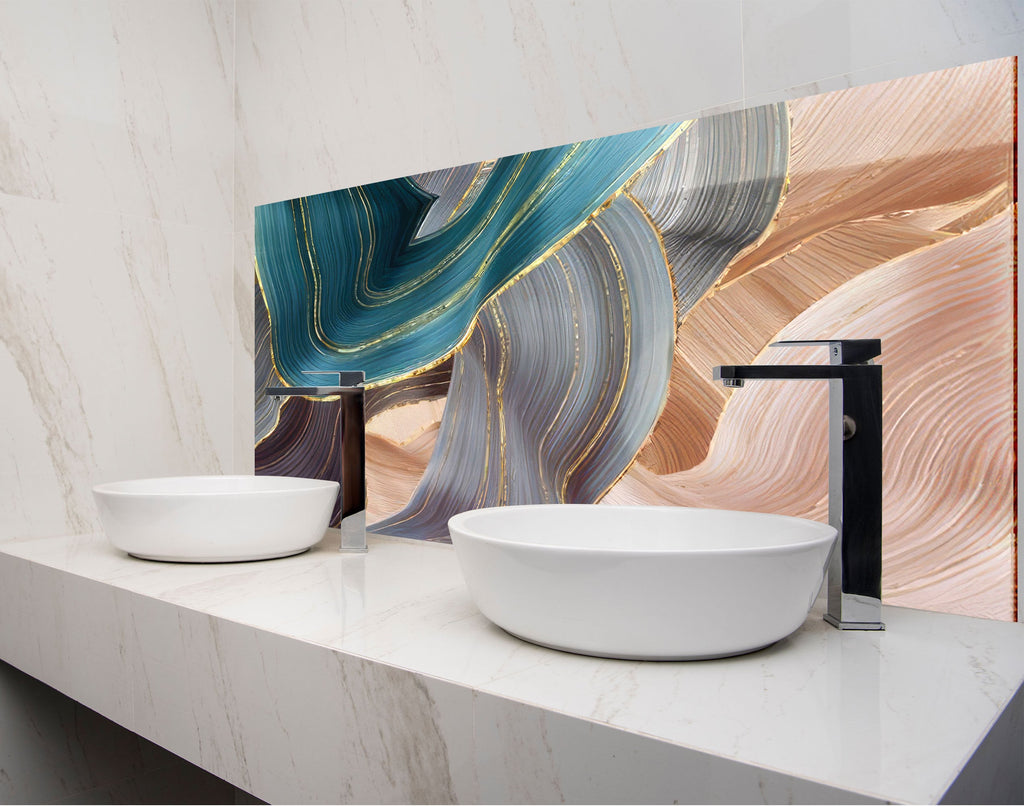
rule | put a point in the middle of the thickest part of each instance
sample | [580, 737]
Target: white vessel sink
[652, 583]
[215, 518]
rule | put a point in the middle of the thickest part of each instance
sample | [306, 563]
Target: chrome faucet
[351, 470]
[854, 471]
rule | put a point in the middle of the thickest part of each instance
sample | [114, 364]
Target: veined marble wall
[541, 328]
[116, 322]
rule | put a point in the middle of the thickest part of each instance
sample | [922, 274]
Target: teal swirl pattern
[349, 285]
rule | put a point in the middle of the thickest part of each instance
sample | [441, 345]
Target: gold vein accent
[273, 361]
[483, 169]
[501, 323]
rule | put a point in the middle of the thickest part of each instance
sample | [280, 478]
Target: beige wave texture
[945, 317]
[393, 470]
[875, 172]
[896, 148]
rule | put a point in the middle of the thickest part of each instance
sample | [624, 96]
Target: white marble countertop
[278, 675]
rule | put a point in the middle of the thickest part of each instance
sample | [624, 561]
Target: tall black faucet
[351, 469]
[854, 471]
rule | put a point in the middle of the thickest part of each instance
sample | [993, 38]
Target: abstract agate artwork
[541, 328]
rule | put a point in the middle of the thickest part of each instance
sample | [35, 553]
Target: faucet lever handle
[842, 351]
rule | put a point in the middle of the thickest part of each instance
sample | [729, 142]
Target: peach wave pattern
[875, 172]
[947, 425]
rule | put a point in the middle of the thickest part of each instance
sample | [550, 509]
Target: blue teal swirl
[349, 286]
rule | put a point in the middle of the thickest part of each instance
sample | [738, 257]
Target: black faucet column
[855, 491]
[351, 454]
[353, 466]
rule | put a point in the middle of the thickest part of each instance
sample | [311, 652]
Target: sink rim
[825, 533]
[261, 485]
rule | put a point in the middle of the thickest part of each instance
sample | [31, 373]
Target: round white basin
[652, 583]
[215, 518]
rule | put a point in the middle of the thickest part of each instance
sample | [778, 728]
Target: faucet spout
[348, 395]
[798, 372]
[855, 471]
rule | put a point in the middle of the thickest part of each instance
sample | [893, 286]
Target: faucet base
[853, 625]
[353, 532]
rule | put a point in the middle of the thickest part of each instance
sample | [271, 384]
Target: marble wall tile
[328, 95]
[426, 84]
[243, 350]
[1008, 43]
[116, 219]
[116, 343]
[502, 78]
[120, 106]
[805, 47]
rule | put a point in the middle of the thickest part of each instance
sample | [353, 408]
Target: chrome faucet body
[854, 471]
[351, 464]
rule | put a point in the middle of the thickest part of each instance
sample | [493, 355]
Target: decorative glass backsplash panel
[541, 328]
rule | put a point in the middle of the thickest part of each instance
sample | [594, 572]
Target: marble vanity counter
[373, 678]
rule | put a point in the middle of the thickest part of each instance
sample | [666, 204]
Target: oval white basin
[209, 519]
[651, 583]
